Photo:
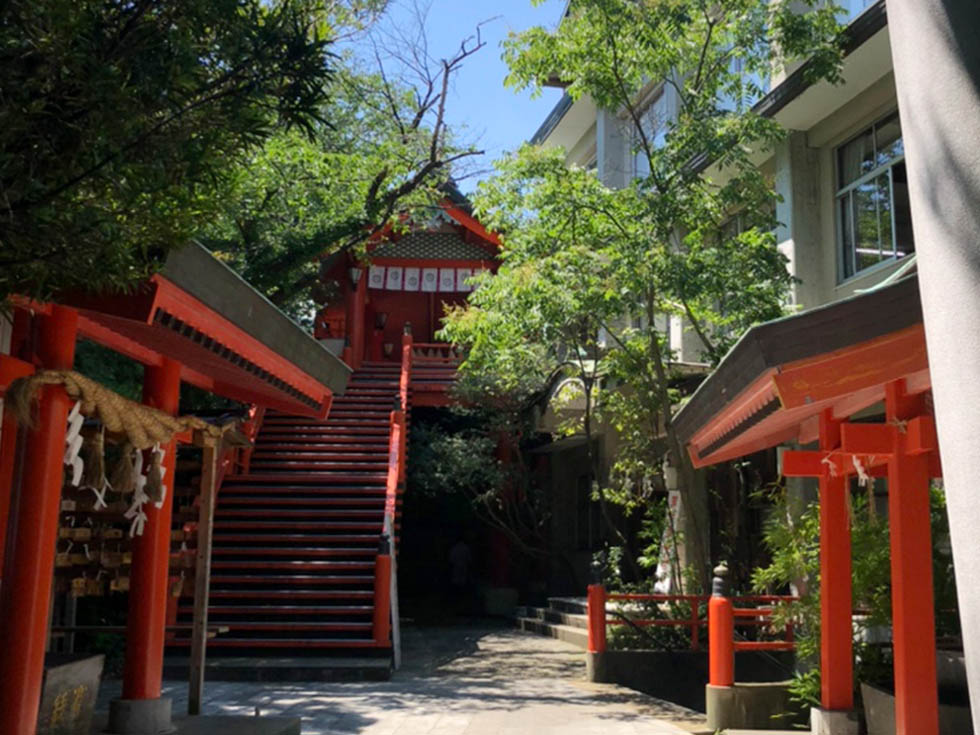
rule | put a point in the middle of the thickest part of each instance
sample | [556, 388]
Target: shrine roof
[228, 337]
[773, 384]
[427, 245]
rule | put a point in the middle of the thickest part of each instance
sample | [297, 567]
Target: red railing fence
[723, 617]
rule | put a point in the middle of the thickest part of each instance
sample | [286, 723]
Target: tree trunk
[936, 54]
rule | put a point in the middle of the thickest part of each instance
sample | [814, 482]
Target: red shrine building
[404, 283]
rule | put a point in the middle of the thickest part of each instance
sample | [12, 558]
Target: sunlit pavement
[474, 680]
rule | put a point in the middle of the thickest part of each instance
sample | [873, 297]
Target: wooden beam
[202, 578]
[803, 463]
[836, 666]
[910, 535]
[869, 439]
[855, 368]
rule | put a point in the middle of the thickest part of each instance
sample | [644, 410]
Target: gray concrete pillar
[799, 234]
[936, 53]
[612, 144]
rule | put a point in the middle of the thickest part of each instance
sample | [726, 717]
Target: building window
[653, 121]
[874, 221]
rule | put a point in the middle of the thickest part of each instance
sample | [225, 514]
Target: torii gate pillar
[141, 708]
[25, 594]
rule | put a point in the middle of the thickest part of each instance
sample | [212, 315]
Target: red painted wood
[312, 581]
[721, 642]
[870, 363]
[149, 594]
[223, 610]
[596, 610]
[381, 621]
[913, 621]
[836, 667]
[868, 439]
[25, 594]
[225, 642]
[306, 552]
[302, 525]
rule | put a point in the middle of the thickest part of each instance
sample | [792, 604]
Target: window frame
[840, 192]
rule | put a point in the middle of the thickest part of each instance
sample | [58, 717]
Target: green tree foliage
[580, 257]
[381, 162]
[455, 451]
[119, 120]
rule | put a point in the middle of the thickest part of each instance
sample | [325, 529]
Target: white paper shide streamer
[136, 514]
[73, 444]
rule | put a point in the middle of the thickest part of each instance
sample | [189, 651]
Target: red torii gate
[195, 321]
[801, 379]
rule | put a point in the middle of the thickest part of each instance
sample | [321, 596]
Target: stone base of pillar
[749, 706]
[833, 722]
[140, 717]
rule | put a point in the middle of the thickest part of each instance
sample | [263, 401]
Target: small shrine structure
[194, 322]
[407, 277]
[851, 381]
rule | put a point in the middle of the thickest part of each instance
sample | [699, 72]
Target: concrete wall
[680, 676]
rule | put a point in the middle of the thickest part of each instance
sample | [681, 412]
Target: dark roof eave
[194, 269]
[866, 25]
[554, 118]
[817, 331]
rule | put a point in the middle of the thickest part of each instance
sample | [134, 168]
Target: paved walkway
[455, 681]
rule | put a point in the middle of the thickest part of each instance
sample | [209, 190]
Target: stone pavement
[482, 679]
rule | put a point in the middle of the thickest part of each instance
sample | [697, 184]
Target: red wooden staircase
[302, 580]
[296, 539]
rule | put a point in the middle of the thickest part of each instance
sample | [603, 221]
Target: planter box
[679, 676]
[879, 714]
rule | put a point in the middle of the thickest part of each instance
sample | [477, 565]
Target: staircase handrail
[395, 483]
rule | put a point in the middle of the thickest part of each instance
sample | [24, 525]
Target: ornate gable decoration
[431, 246]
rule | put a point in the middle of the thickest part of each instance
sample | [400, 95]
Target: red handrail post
[721, 634]
[695, 624]
[596, 607]
[382, 594]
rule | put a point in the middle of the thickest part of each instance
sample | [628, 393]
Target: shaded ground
[482, 679]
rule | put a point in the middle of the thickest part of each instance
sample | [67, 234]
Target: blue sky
[497, 118]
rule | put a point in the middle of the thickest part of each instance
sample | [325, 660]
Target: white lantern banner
[412, 278]
[394, 280]
[462, 274]
[447, 279]
[376, 276]
[430, 279]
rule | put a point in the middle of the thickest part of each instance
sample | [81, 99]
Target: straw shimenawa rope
[143, 426]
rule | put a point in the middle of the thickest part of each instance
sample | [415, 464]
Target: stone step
[567, 633]
[547, 615]
[572, 605]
